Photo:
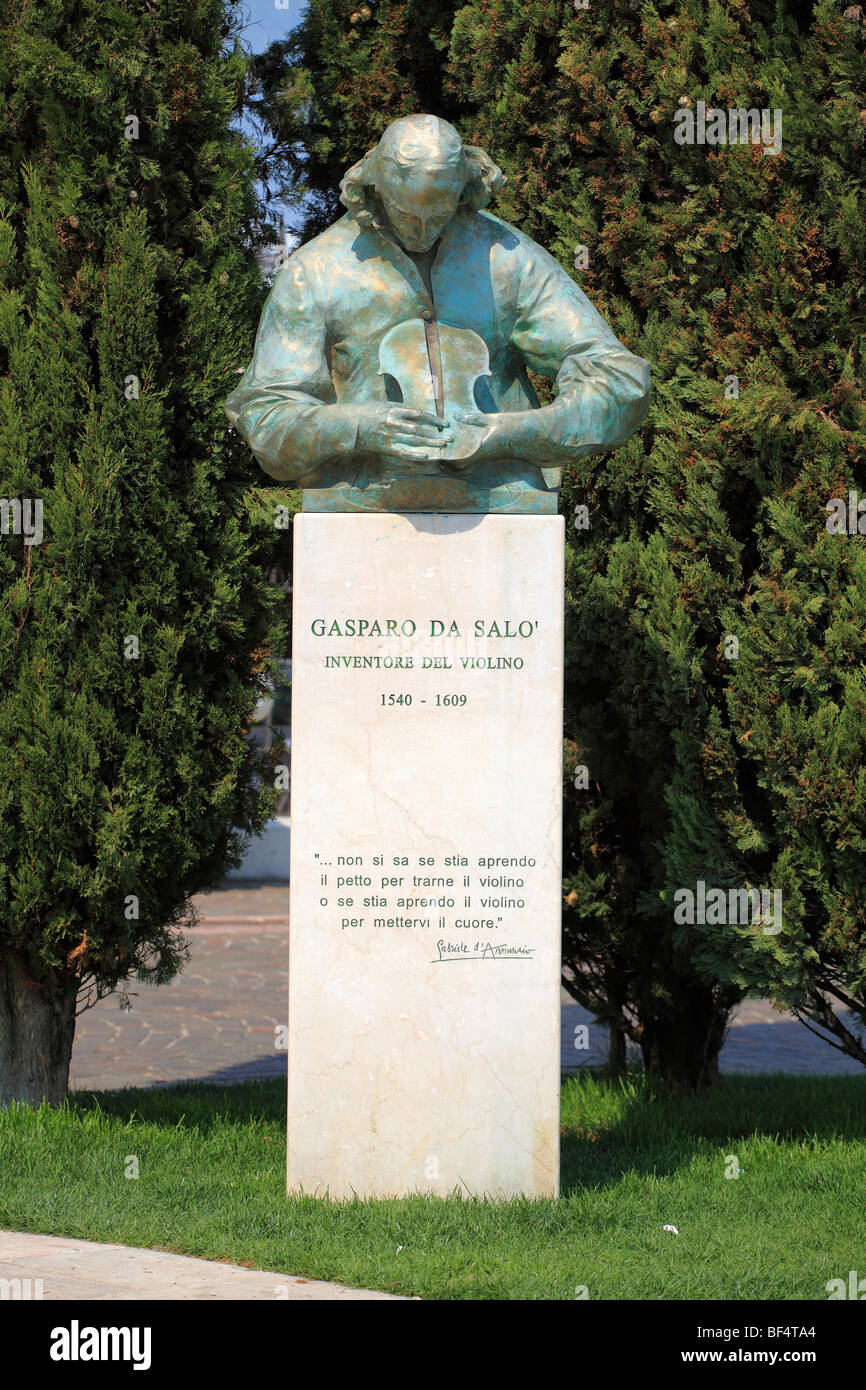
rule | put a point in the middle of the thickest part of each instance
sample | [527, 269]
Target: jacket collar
[390, 249]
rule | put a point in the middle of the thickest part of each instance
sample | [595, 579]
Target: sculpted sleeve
[602, 388]
[283, 405]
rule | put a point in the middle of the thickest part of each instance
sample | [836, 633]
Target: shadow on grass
[609, 1129]
[191, 1104]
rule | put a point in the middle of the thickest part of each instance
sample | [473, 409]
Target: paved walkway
[217, 1021]
[58, 1268]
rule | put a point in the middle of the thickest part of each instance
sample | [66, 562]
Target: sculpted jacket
[317, 345]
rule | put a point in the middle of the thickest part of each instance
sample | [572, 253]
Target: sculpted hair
[358, 186]
[485, 180]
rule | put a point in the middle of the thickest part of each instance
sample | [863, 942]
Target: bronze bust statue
[390, 364]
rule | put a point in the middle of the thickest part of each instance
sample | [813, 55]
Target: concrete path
[219, 1020]
[58, 1268]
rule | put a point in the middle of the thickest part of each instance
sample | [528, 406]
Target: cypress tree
[714, 691]
[135, 633]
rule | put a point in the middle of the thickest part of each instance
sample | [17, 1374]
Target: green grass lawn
[211, 1163]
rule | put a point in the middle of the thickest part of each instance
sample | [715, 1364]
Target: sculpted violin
[433, 366]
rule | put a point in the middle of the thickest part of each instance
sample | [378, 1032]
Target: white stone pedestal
[424, 976]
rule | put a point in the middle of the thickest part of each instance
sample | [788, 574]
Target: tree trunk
[617, 1056]
[683, 1048]
[36, 1032]
[616, 1052]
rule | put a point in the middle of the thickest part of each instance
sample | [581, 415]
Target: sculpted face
[420, 200]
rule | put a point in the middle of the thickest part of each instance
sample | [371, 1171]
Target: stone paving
[57, 1267]
[218, 1020]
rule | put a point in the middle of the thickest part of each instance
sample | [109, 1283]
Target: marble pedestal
[424, 958]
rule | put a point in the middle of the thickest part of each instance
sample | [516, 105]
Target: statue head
[417, 178]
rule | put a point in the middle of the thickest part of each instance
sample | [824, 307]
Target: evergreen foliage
[134, 640]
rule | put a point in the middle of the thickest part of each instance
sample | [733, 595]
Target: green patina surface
[390, 370]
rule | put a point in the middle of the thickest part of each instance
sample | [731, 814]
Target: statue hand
[504, 435]
[395, 431]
